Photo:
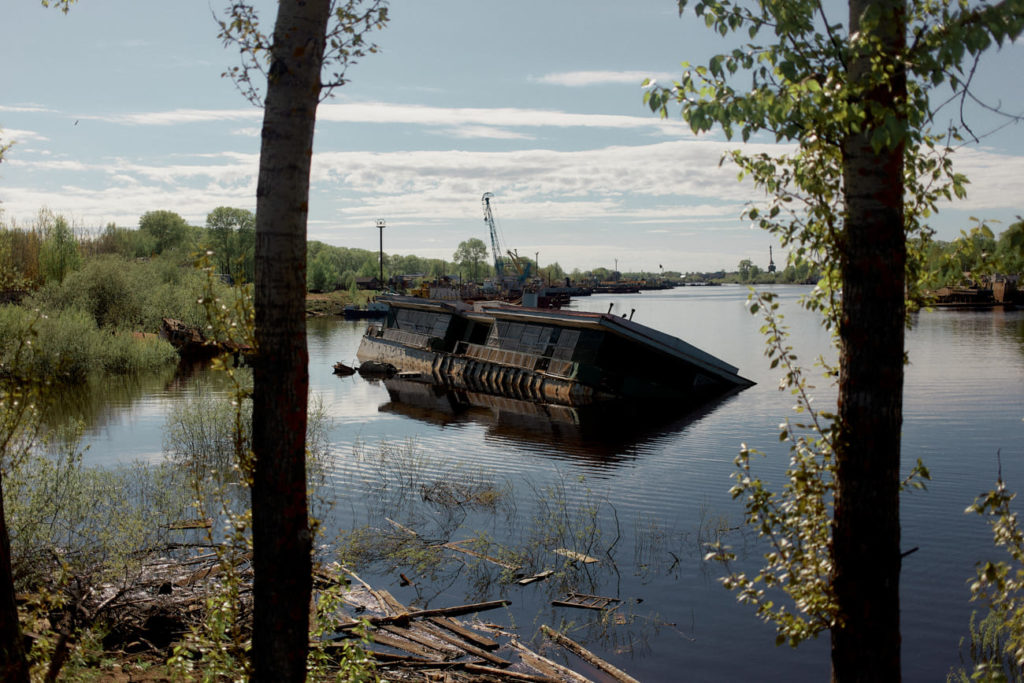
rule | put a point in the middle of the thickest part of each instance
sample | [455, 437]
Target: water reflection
[101, 400]
[607, 433]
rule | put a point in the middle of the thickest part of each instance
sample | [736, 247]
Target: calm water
[656, 488]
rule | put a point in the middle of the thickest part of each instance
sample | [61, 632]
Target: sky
[119, 108]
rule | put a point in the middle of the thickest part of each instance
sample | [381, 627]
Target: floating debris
[585, 601]
[573, 555]
[540, 576]
[454, 545]
[344, 370]
[373, 368]
[587, 656]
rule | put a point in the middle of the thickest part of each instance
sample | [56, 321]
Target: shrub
[68, 346]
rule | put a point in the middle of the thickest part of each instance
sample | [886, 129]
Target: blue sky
[119, 108]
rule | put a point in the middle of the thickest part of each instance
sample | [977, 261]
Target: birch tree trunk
[282, 542]
[866, 529]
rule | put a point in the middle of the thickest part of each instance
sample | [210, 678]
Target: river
[642, 496]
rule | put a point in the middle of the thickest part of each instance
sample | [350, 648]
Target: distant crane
[771, 261]
[499, 261]
[522, 267]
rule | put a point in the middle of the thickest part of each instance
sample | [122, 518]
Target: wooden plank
[573, 555]
[468, 634]
[587, 656]
[454, 545]
[391, 601]
[406, 617]
[509, 675]
[539, 576]
[418, 636]
[546, 666]
[404, 645]
[463, 645]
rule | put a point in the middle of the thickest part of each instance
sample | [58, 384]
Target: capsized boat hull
[560, 357]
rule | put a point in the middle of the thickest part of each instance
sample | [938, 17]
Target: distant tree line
[49, 249]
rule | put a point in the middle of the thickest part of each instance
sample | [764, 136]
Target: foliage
[987, 652]
[796, 521]
[232, 237]
[120, 241]
[74, 531]
[351, 21]
[976, 254]
[19, 258]
[323, 274]
[470, 254]
[168, 229]
[328, 263]
[70, 346]
[1001, 583]
[59, 255]
[127, 294]
[827, 88]
[800, 92]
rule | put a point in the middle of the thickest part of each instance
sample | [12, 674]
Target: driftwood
[456, 627]
[471, 649]
[405, 645]
[454, 545]
[546, 666]
[587, 656]
[539, 576]
[405, 617]
[508, 674]
[573, 555]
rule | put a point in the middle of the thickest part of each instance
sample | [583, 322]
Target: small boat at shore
[373, 309]
[549, 356]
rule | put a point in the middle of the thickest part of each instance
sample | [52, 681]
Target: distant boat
[374, 309]
[561, 357]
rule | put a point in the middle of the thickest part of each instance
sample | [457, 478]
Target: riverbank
[320, 304]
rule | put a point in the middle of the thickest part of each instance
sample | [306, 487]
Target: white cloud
[51, 165]
[16, 135]
[382, 112]
[26, 108]
[578, 79]
[179, 116]
[997, 180]
[452, 118]
[484, 132]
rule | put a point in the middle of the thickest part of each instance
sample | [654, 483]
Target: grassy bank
[333, 303]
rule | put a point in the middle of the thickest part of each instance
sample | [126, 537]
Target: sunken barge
[558, 357]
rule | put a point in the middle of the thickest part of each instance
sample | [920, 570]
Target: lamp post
[380, 226]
